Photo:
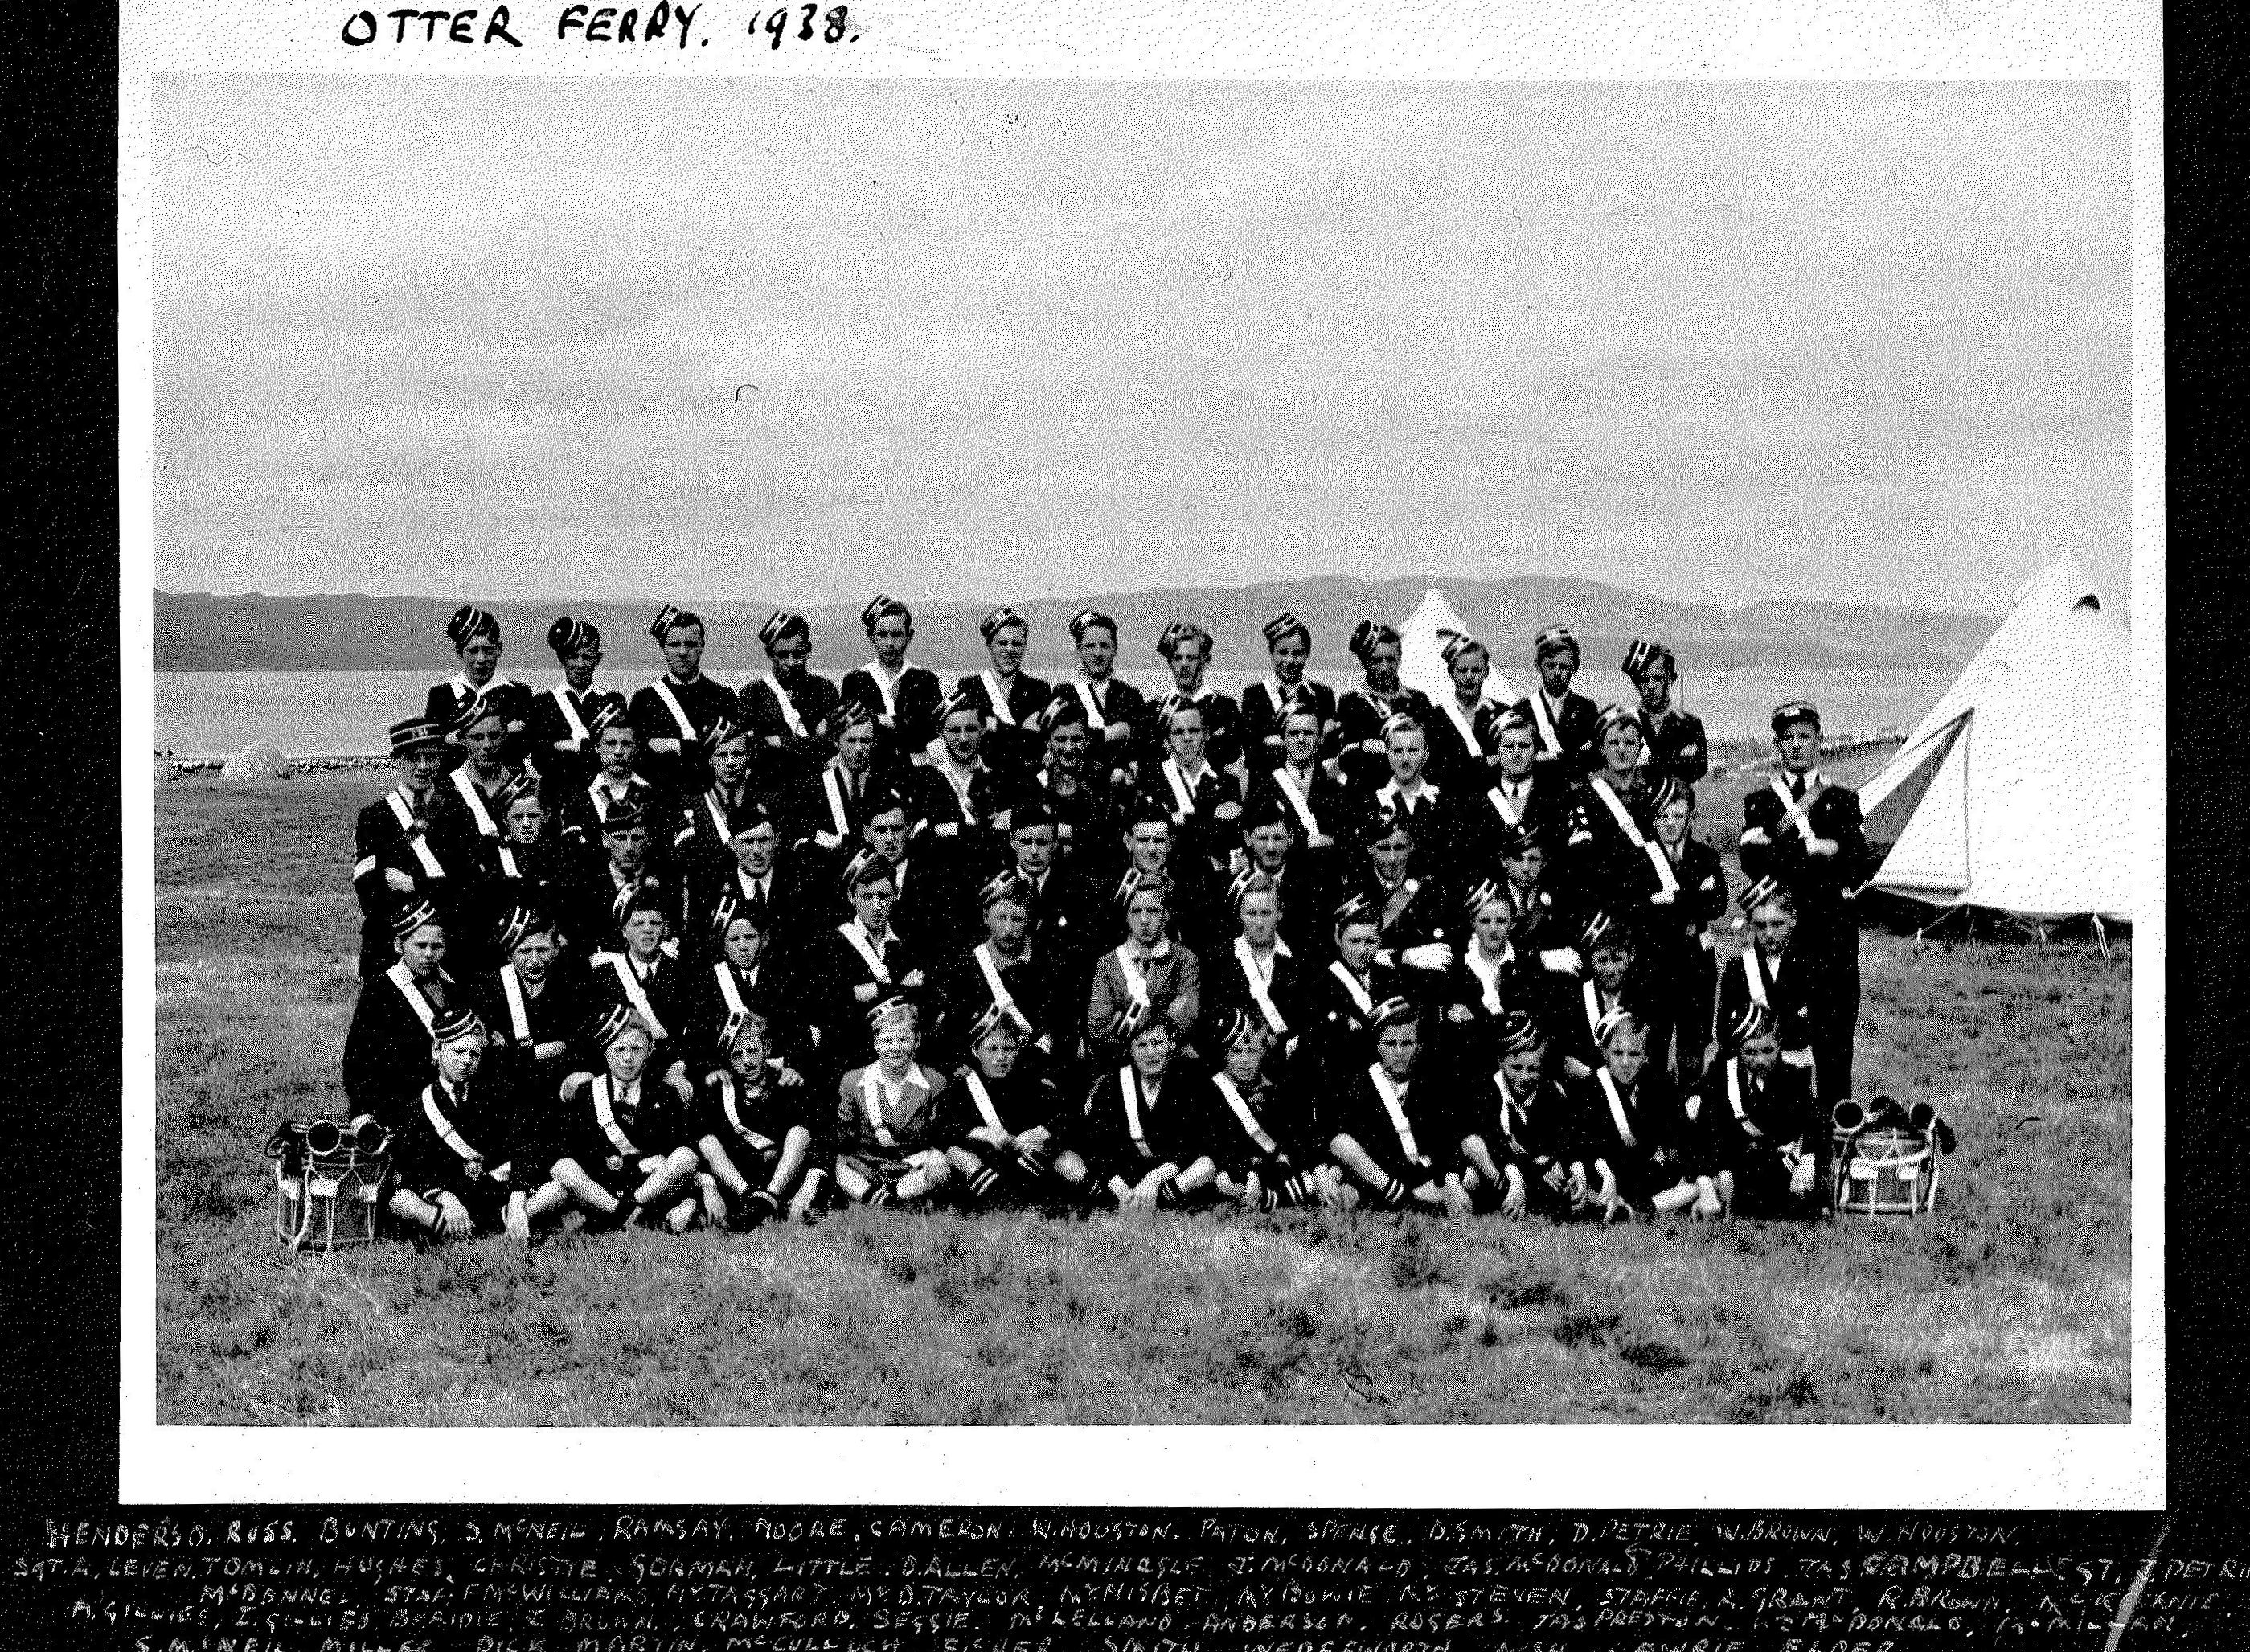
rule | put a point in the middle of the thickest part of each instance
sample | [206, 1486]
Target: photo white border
[2117, 1466]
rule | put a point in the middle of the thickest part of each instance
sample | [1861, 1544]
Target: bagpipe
[1884, 1157]
[328, 1178]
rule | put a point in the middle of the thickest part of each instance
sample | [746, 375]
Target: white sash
[1511, 1112]
[731, 1106]
[1545, 719]
[507, 866]
[485, 826]
[1128, 1084]
[1136, 979]
[1466, 722]
[871, 1099]
[727, 990]
[857, 938]
[885, 687]
[1261, 992]
[1734, 1095]
[403, 813]
[444, 1126]
[578, 731]
[1351, 986]
[789, 714]
[1489, 990]
[718, 816]
[990, 966]
[1299, 801]
[1616, 1110]
[960, 790]
[671, 704]
[1094, 714]
[1183, 793]
[605, 1114]
[1387, 1093]
[997, 696]
[1243, 1115]
[636, 994]
[1754, 977]
[832, 784]
[1664, 876]
[982, 1097]
[398, 976]
[1593, 997]
[1282, 698]
[604, 801]
[1793, 812]
[1508, 810]
[519, 1012]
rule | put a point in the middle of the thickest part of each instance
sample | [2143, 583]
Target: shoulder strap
[1243, 1115]
[859, 943]
[1754, 977]
[1260, 993]
[1794, 812]
[1616, 1108]
[1387, 1093]
[397, 977]
[982, 1097]
[789, 712]
[997, 696]
[636, 994]
[1183, 793]
[837, 817]
[731, 1103]
[444, 1126]
[871, 1104]
[605, 1114]
[1136, 979]
[1128, 1084]
[1545, 721]
[475, 802]
[1351, 986]
[1299, 800]
[561, 693]
[1465, 723]
[671, 704]
[414, 840]
[727, 990]
[989, 966]
[519, 1012]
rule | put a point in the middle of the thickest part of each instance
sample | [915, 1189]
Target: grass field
[2008, 1305]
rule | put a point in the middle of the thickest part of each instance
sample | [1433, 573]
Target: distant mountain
[199, 631]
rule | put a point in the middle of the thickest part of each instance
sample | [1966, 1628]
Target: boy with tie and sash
[1518, 1125]
[1010, 1127]
[1628, 1154]
[755, 1120]
[617, 782]
[1462, 749]
[755, 878]
[531, 1010]
[787, 709]
[1075, 786]
[1562, 721]
[1202, 800]
[904, 695]
[1009, 698]
[475, 636]
[1672, 746]
[964, 802]
[1304, 887]
[1580, 1005]
[1309, 789]
[861, 962]
[1408, 793]
[1676, 894]
[1193, 913]
[1516, 794]
[924, 905]
[1412, 910]
[705, 824]
[673, 714]
[403, 849]
[1257, 971]
[625, 873]
[470, 802]
[525, 866]
[454, 1154]
[1805, 831]
[1775, 974]
[1266, 703]
[1362, 713]
[644, 972]
[1393, 1135]
[1145, 1121]
[1609, 844]
[1490, 982]
[624, 1148]
[1063, 906]
[740, 977]
[1008, 971]
[891, 1114]
[1757, 1133]
[1148, 975]
[828, 806]
[1546, 928]
[1343, 996]
[1111, 711]
[1185, 647]
[1263, 1147]
[560, 736]
[387, 1058]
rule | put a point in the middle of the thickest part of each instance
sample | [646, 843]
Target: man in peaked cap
[474, 633]
[561, 734]
[1561, 719]
[787, 709]
[673, 714]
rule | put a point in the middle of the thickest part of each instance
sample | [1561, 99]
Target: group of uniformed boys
[714, 956]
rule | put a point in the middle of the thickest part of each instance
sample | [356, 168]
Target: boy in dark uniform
[964, 798]
[1186, 648]
[624, 1150]
[1271, 699]
[1755, 1124]
[1315, 800]
[617, 781]
[1007, 1119]
[754, 1123]
[785, 900]
[673, 713]
[1462, 754]
[531, 1010]
[788, 710]
[904, 695]
[387, 1057]
[1578, 1008]
[1064, 905]
[525, 866]
[1393, 1135]
[1490, 982]
[1775, 975]
[705, 825]
[625, 872]
[891, 1116]
[403, 851]
[1362, 713]
[1256, 970]
[1629, 1152]
[1413, 911]
[924, 906]
[1516, 794]
[743, 979]
[454, 1155]
[1518, 1126]
[1407, 793]
[1008, 969]
[1562, 720]
[824, 813]
[859, 962]
[560, 738]
[1112, 710]
[469, 798]
[1009, 698]
[1305, 890]
[1677, 892]
[1610, 817]
[644, 972]
[1672, 746]
[1202, 800]
[1145, 1121]
[1339, 1039]
[1074, 785]
[1148, 973]
[475, 636]
[1265, 1150]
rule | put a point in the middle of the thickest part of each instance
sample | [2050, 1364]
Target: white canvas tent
[2012, 794]
[1420, 663]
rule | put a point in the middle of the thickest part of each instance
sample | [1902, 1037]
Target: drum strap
[1617, 1115]
[789, 712]
[1664, 876]
[1183, 793]
[635, 993]
[728, 990]
[1243, 1114]
[444, 1126]
[1395, 1105]
[982, 1097]
[831, 782]
[569, 708]
[423, 1012]
[871, 1099]
[989, 966]
[1128, 1085]
[416, 838]
[1299, 800]
[605, 1114]
[678, 713]
[475, 800]
[1734, 1095]
[1545, 719]
[1796, 813]
[857, 938]
[1351, 985]
[1261, 989]
[998, 696]
[731, 1103]
[519, 1012]
[1465, 723]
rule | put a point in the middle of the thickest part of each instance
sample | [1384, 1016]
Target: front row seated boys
[625, 1141]
[753, 1116]
[455, 1154]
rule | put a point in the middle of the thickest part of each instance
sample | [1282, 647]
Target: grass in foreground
[2011, 1304]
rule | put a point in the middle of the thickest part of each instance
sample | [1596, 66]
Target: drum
[329, 1184]
[1883, 1172]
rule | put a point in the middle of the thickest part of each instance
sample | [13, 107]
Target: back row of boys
[692, 802]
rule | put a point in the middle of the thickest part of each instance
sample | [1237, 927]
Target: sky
[801, 340]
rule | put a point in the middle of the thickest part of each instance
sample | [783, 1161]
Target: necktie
[1796, 789]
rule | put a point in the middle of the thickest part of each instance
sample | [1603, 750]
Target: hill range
[200, 631]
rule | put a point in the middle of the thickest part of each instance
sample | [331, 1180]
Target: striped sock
[983, 1182]
[877, 1196]
[1293, 1191]
[1394, 1192]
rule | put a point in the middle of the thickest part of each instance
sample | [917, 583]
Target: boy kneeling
[454, 1152]
[1388, 1123]
[753, 1117]
[887, 1117]
[625, 1153]
[1754, 1115]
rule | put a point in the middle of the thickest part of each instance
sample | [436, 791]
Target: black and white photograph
[889, 754]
